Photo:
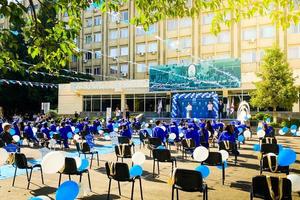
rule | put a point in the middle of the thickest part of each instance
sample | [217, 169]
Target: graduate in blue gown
[159, 132]
[64, 134]
[16, 128]
[204, 136]
[193, 134]
[269, 130]
[28, 133]
[174, 129]
[53, 127]
[80, 125]
[227, 134]
[45, 130]
[125, 131]
[110, 126]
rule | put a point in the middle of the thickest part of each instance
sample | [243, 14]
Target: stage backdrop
[198, 101]
[210, 74]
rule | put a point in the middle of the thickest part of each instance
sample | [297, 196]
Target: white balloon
[138, 158]
[172, 136]
[78, 161]
[151, 121]
[44, 151]
[225, 155]
[3, 156]
[16, 138]
[76, 137]
[106, 137]
[57, 128]
[293, 131]
[53, 162]
[298, 133]
[200, 154]
[295, 179]
[34, 130]
[261, 133]
[281, 132]
[209, 133]
[116, 129]
[100, 132]
[247, 134]
[181, 134]
[73, 128]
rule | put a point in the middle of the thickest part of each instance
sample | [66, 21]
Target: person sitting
[110, 126]
[268, 130]
[5, 136]
[159, 132]
[28, 133]
[45, 130]
[125, 131]
[64, 135]
[191, 133]
[203, 133]
[227, 135]
[174, 129]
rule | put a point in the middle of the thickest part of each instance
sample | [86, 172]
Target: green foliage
[53, 114]
[276, 88]
[262, 116]
[289, 123]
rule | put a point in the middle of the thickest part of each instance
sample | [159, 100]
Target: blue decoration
[256, 147]
[241, 138]
[51, 134]
[35, 198]
[204, 170]
[76, 130]
[286, 157]
[225, 165]
[240, 130]
[285, 129]
[280, 147]
[12, 131]
[70, 135]
[67, 191]
[161, 147]
[11, 148]
[294, 127]
[136, 170]
[84, 164]
[99, 128]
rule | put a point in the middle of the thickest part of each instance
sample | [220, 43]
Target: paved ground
[237, 184]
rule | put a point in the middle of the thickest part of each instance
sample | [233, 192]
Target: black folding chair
[188, 146]
[162, 155]
[154, 142]
[86, 150]
[269, 163]
[120, 173]
[230, 147]
[126, 140]
[189, 181]
[260, 188]
[123, 151]
[21, 163]
[215, 159]
[71, 169]
[269, 140]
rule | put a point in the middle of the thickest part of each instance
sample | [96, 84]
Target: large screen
[210, 74]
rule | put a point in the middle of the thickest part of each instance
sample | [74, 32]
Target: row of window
[89, 22]
[141, 48]
[96, 37]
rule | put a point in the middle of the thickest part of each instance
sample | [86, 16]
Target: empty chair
[72, 169]
[86, 150]
[230, 147]
[269, 163]
[269, 140]
[123, 151]
[215, 159]
[120, 173]
[270, 188]
[126, 140]
[188, 146]
[189, 181]
[21, 163]
[154, 142]
[162, 155]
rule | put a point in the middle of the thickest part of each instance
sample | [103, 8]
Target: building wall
[69, 101]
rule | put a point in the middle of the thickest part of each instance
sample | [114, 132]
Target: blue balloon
[241, 138]
[70, 135]
[12, 131]
[204, 170]
[76, 130]
[84, 164]
[99, 128]
[67, 191]
[161, 147]
[256, 147]
[280, 147]
[136, 170]
[225, 165]
[35, 198]
[294, 127]
[286, 157]
[240, 130]
[285, 129]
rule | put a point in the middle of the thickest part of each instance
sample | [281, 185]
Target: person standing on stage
[210, 108]
[220, 109]
[189, 109]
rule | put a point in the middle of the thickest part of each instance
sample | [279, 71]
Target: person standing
[189, 109]
[210, 108]
[220, 109]
[118, 113]
[127, 113]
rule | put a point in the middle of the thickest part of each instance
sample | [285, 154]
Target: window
[114, 16]
[173, 44]
[185, 23]
[248, 57]
[172, 24]
[88, 55]
[207, 19]
[186, 43]
[124, 50]
[97, 21]
[113, 52]
[141, 68]
[152, 47]
[74, 58]
[124, 16]
[172, 61]
[113, 69]
[152, 63]
[88, 39]
[152, 28]
[267, 31]
[124, 32]
[208, 39]
[124, 68]
[224, 37]
[139, 31]
[294, 28]
[98, 54]
[140, 48]
[88, 70]
[89, 22]
[113, 34]
[294, 52]
[97, 37]
[97, 70]
[222, 56]
[249, 34]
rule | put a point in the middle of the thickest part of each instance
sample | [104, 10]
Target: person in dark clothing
[5, 135]
[220, 109]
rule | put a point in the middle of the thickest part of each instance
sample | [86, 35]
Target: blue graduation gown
[225, 136]
[159, 132]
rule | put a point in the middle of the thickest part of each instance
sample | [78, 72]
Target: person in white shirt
[118, 113]
[210, 108]
[189, 109]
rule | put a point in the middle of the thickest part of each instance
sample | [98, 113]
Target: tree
[276, 88]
